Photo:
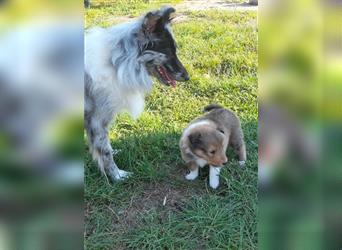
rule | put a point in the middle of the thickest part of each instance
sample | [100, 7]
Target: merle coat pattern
[119, 63]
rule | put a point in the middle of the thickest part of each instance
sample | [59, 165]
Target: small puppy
[206, 139]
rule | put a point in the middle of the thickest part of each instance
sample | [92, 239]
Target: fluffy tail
[211, 107]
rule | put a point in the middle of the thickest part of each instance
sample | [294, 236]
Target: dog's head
[159, 49]
[209, 144]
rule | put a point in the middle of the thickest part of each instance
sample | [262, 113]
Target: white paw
[122, 175]
[214, 183]
[192, 175]
[242, 163]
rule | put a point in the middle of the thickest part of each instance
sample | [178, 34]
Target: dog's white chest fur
[200, 162]
[134, 104]
[122, 83]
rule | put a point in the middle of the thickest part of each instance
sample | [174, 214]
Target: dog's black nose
[225, 163]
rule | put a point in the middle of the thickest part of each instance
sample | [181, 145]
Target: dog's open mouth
[165, 77]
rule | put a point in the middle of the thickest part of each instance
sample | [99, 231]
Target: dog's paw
[214, 183]
[122, 175]
[191, 176]
[242, 163]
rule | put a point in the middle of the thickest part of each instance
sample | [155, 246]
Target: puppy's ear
[150, 21]
[195, 139]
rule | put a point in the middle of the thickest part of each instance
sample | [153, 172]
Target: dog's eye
[212, 152]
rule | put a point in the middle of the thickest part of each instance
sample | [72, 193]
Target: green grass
[219, 49]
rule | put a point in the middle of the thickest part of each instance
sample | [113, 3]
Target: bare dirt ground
[193, 5]
[161, 198]
[213, 4]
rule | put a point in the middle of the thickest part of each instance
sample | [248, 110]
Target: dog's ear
[166, 13]
[150, 21]
[155, 20]
[195, 139]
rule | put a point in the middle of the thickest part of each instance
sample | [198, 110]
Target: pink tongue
[171, 81]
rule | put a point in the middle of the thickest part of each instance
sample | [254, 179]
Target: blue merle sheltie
[119, 63]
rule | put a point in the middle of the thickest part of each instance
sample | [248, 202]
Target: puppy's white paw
[214, 183]
[242, 163]
[192, 175]
[122, 175]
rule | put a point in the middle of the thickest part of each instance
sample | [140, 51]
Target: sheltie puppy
[205, 141]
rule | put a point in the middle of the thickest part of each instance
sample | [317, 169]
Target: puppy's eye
[212, 152]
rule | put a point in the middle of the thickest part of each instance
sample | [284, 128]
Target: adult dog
[119, 63]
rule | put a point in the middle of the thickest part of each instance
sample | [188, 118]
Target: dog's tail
[211, 107]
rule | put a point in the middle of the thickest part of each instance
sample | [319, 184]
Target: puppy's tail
[211, 107]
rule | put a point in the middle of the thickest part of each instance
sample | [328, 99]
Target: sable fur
[205, 140]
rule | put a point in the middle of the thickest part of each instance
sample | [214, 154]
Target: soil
[213, 4]
[193, 5]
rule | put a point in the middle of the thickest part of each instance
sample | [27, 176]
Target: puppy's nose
[225, 162]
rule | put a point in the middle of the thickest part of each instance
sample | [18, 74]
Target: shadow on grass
[155, 157]
[157, 186]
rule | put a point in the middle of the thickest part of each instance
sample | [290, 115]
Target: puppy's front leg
[242, 154]
[214, 176]
[193, 167]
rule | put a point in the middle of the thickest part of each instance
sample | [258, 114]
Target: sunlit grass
[219, 49]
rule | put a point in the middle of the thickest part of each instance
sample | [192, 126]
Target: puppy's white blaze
[214, 176]
[187, 131]
[192, 175]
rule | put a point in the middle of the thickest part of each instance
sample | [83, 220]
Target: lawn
[157, 208]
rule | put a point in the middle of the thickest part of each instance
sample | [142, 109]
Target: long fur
[116, 80]
[113, 53]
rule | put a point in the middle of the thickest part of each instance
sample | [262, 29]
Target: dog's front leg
[214, 176]
[102, 152]
[193, 167]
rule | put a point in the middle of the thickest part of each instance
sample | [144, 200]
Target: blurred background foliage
[300, 62]
[41, 124]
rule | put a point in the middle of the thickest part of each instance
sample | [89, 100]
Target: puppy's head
[159, 51]
[209, 145]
